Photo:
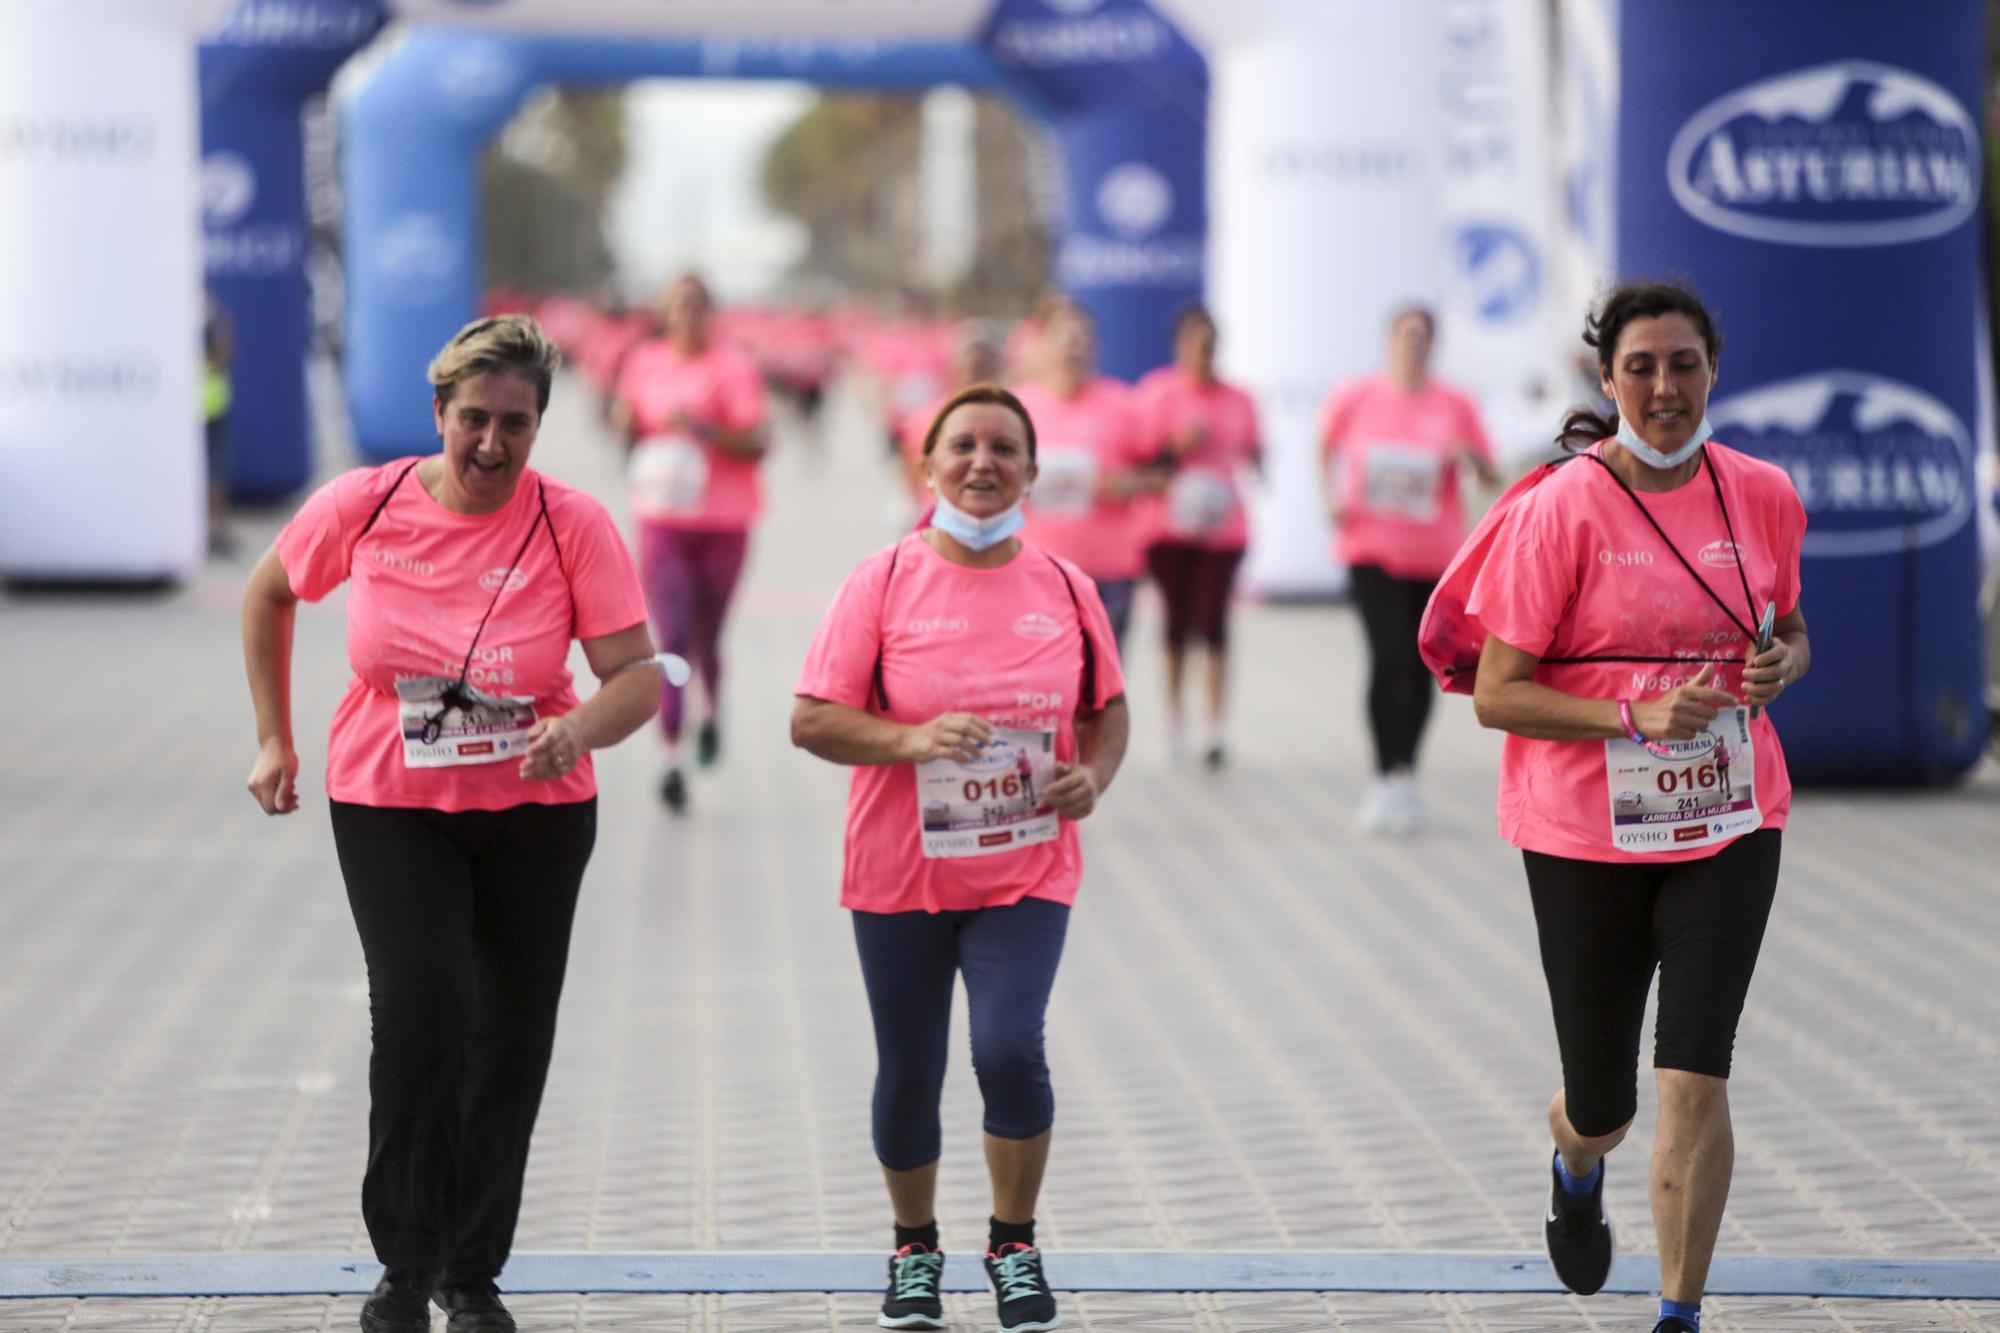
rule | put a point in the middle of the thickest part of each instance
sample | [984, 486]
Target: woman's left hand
[1073, 794]
[554, 748]
[1766, 674]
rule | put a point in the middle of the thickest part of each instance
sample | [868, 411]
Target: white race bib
[991, 804]
[436, 734]
[1066, 481]
[1199, 501]
[1704, 794]
[667, 476]
[1402, 481]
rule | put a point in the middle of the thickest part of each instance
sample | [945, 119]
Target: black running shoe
[474, 1307]
[674, 791]
[1673, 1324]
[1213, 758]
[707, 744]
[1578, 1235]
[1026, 1303]
[400, 1303]
[912, 1299]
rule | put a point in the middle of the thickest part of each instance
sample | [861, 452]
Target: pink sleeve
[1333, 419]
[1791, 530]
[743, 404]
[840, 665]
[1526, 585]
[602, 577]
[1097, 628]
[627, 388]
[1472, 429]
[317, 547]
[1253, 445]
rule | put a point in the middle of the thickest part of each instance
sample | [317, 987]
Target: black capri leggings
[465, 921]
[1399, 685]
[1605, 925]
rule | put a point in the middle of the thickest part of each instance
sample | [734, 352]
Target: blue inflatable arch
[1129, 119]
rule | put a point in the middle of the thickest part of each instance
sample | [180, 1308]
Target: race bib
[1066, 482]
[667, 476]
[992, 803]
[1700, 792]
[1199, 501]
[440, 734]
[1401, 481]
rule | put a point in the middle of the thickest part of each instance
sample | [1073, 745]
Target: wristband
[1632, 732]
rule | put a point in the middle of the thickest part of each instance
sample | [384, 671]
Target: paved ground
[1269, 1033]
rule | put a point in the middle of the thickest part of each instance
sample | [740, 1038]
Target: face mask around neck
[1652, 457]
[977, 534]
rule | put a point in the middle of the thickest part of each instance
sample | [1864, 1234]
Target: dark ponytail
[1582, 426]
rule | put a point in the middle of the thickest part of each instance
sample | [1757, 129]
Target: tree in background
[547, 180]
[849, 170]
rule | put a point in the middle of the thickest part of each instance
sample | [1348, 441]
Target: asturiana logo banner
[1845, 154]
[1880, 465]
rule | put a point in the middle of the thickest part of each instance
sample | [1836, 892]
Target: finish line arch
[1119, 88]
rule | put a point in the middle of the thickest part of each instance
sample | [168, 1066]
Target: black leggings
[1399, 685]
[464, 921]
[1605, 925]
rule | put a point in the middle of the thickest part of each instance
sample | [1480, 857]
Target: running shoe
[1404, 814]
[474, 1307]
[1026, 1303]
[1214, 757]
[674, 791]
[912, 1300]
[707, 744]
[1372, 816]
[1673, 1324]
[400, 1303]
[1578, 1235]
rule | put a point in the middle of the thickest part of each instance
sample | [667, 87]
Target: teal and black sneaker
[912, 1299]
[1026, 1303]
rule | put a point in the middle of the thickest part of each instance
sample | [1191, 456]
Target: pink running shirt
[1576, 571]
[422, 577]
[1002, 643]
[1080, 440]
[1203, 503]
[1398, 472]
[722, 387]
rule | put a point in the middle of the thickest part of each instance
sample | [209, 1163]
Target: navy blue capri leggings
[909, 961]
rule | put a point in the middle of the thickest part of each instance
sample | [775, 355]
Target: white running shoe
[1405, 809]
[1372, 816]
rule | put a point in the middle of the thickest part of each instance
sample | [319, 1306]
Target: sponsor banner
[901, 19]
[100, 444]
[1819, 183]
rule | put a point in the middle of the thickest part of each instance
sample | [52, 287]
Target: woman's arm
[1100, 749]
[845, 735]
[270, 609]
[628, 693]
[1506, 697]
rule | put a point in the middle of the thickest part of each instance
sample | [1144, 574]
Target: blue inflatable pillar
[1126, 97]
[256, 75]
[1820, 182]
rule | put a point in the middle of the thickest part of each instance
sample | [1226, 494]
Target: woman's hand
[274, 779]
[948, 736]
[1683, 712]
[1073, 795]
[554, 747]
[1766, 674]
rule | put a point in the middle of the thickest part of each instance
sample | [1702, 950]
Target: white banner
[101, 470]
[940, 20]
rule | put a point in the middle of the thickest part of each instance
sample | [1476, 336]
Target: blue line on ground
[1097, 1270]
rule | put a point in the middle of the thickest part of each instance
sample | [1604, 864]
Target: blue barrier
[256, 74]
[1124, 94]
[1820, 183]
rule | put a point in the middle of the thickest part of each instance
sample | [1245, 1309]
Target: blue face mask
[977, 534]
[1652, 457]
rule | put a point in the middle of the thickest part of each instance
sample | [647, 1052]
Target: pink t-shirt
[1080, 441]
[722, 388]
[1397, 481]
[1576, 571]
[1203, 502]
[423, 576]
[1002, 643]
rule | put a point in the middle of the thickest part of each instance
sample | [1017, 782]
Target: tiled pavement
[1269, 1031]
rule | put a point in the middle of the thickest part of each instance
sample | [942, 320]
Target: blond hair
[508, 344]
